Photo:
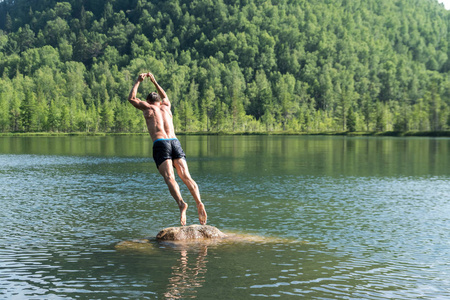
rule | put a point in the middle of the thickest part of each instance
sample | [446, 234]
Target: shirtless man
[167, 151]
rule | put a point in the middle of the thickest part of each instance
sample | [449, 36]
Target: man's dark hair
[153, 97]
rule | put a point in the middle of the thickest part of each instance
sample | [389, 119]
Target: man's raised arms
[132, 97]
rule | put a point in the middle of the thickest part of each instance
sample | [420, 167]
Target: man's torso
[159, 122]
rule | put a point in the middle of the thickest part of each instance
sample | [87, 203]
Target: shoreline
[329, 133]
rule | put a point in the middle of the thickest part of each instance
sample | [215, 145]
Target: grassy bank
[333, 133]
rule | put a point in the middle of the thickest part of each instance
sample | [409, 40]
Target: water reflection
[187, 276]
[312, 155]
[376, 212]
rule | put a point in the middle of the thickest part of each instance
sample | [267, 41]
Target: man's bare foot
[201, 213]
[183, 207]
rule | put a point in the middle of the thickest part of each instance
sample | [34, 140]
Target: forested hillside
[227, 65]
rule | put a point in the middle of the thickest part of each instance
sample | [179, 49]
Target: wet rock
[191, 232]
[195, 237]
[145, 246]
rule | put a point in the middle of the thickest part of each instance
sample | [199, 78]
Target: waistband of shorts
[159, 140]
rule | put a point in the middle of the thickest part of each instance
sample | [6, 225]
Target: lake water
[362, 218]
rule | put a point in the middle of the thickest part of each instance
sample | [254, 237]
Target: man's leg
[183, 171]
[166, 170]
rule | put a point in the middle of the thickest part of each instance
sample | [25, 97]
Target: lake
[361, 217]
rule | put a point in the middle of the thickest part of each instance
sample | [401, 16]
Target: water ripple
[364, 237]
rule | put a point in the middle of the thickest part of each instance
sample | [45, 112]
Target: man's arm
[161, 92]
[132, 97]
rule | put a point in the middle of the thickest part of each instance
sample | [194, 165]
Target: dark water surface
[371, 217]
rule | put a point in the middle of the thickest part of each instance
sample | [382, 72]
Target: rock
[191, 232]
[196, 237]
[140, 245]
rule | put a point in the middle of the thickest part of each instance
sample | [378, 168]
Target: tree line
[227, 65]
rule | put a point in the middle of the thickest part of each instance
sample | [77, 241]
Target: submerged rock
[196, 237]
[140, 245]
[191, 232]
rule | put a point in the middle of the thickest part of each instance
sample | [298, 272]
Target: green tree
[65, 50]
[14, 113]
[235, 84]
[368, 110]
[8, 22]
[187, 116]
[380, 120]
[106, 117]
[208, 107]
[436, 105]
[54, 119]
[260, 93]
[4, 106]
[65, 118]
[351, 120]
[27, 111]
[346, 96]
[288, 107]
[41, 114]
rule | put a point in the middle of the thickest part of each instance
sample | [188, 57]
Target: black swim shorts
[164, 149]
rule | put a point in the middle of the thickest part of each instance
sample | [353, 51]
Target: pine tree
[54, 119]
[4, 118]
[351, 120]
[27, 111]
[106, 117]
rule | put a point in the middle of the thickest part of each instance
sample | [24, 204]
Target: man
[167, 151]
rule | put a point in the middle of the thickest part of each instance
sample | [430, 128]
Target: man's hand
[161, 92]
[142, 76]
[152, 78]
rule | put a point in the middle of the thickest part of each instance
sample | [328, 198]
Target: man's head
[153, 97]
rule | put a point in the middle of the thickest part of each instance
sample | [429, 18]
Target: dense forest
[227, 65]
